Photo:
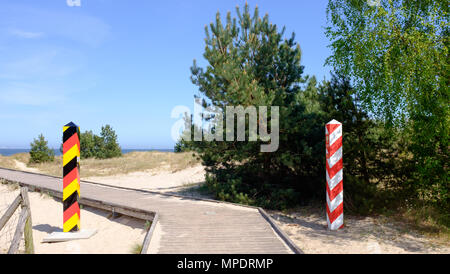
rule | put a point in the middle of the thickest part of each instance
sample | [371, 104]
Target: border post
[71, 177]
[334, 175]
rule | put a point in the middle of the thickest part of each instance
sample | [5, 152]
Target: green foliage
[395, 138]
[371, 151]
[107, 144]
[251, 64]
[234, 186]
[245, 69]
[102, 147]
[40, 152]
[397, 55]
[374, 155]
[90, 144]
[180, 146]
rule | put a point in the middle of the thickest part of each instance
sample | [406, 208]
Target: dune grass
[427, 220]
[8, 161]
[136, 249]
[130, 162]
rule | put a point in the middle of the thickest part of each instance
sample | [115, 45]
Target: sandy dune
[162, 181]
[22, 166]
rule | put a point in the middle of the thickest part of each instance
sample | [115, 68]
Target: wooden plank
[24, 195]
[148, 236]
[139, 214]
[19, 231]
[122, 209]
[28, 232]
[10, 211]
[280, 232]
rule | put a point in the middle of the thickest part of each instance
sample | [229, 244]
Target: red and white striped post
[334, 174]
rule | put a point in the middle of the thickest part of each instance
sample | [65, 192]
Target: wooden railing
[24, 225]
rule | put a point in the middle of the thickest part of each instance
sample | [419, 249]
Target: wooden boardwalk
[185, 225]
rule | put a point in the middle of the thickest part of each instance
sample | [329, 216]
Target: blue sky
[117, 62]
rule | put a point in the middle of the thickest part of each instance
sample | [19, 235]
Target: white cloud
[19, 93]
[25, 34]
[48, 63]
[73, 24]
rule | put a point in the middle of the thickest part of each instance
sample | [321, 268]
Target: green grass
[147, 225]
[136, 249]
[427, 220]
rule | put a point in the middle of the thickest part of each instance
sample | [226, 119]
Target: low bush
[40, 152]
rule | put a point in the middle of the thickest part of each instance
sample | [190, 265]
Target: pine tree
[251, 63]
[40, 152]
[107, 144]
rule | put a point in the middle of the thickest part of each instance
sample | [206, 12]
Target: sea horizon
[12, 151]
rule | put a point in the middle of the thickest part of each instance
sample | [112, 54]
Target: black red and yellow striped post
[71, 177]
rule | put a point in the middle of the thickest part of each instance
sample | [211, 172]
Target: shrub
[40, 152]
[102, 147]
[106, 146]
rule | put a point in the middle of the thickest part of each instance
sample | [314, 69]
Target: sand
[162, 181]
[363, 235]
[114, 235]
[22, 166]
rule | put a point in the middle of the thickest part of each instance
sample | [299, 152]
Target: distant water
[131, 150]
[11, 151]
